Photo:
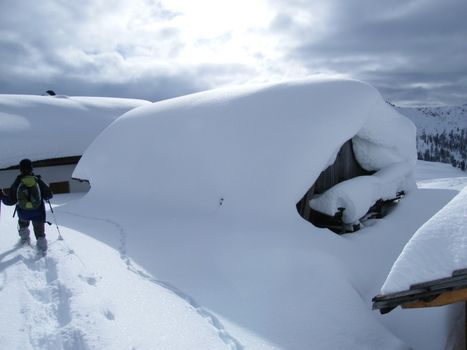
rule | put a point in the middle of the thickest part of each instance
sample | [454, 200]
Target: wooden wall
[344, 167]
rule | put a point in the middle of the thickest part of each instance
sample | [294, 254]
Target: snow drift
[435, 251]
[54, 126]
[204, 190]
[250, 150]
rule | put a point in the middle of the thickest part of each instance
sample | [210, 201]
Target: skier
[28, 193]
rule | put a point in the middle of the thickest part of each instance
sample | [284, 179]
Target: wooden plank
[411, 296]
[49, 162]
[439, 283]
[394, 302]
[459, 272]
[448, 282]
[60, 187]
[438, 292]
[445, 298]
[453, 284]
[398, 295]
[344, 167]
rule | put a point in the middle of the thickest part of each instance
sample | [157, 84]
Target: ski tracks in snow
[225, 337]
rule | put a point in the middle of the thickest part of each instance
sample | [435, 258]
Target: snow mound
[205, 186]
[254, 149]
[386, 138]
[54, 126]
[436, 249]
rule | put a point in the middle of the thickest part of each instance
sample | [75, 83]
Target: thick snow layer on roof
[54, 126]
[254, 149]
[436, 250]
[386, 138]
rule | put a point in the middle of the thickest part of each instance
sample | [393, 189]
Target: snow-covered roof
[254, 148]
[435, 251]
[43, 127]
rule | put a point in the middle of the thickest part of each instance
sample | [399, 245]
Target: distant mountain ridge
[441, 133]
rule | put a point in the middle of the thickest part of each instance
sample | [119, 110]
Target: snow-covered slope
[279, 292]
[441, 133]
[42, 127]
[437, 119]
[190, 239]
[86, 295]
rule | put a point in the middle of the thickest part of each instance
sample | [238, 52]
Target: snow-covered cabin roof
[246, 149]
[44, 127]
[435, 251]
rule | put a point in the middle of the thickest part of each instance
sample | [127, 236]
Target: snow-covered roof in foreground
[436, 250]
[247, 149]
[54, 126]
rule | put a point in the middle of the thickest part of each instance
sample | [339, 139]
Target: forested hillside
[441, 133]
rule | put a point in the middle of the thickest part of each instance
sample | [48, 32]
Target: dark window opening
[345, 167]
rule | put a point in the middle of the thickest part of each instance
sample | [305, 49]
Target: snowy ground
[86, 295]
[89, 293]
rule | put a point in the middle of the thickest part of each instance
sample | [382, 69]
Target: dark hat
[25, 166]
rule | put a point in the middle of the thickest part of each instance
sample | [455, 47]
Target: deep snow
[86, 295]
[189, 237]
[251, 152]
[91, 294]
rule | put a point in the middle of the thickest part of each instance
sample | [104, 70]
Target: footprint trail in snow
[83, 296]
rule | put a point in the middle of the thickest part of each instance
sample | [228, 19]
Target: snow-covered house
[220, 148]
[432, 268]
[53, 131]
[204, 197]
[197, 196]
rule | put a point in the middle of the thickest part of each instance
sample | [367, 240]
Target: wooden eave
[438, 292]
[70, 160]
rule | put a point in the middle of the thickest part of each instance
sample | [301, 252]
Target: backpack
[29, 193]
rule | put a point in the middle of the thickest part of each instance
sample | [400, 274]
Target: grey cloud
[40, 37]
[413, 51]
[147, 88]
[397, 44]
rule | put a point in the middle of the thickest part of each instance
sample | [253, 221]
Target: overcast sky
[413, 51]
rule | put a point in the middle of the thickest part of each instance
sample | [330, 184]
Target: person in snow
[28, 193]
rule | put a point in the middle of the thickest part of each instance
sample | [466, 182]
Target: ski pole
[60, 238]
[2, 194]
